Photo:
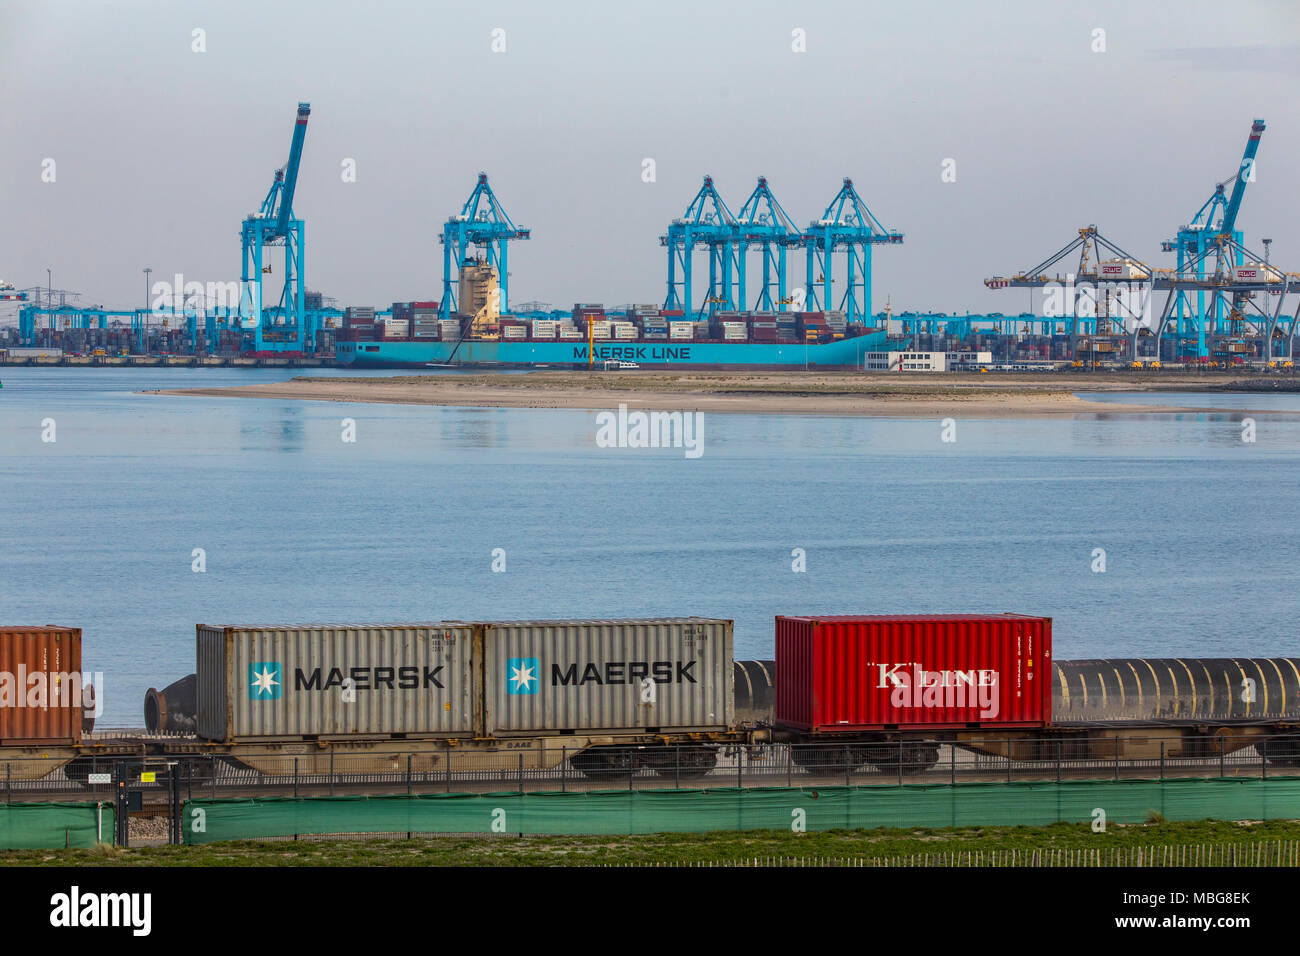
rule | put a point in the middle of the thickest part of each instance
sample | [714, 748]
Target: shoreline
[724, 393]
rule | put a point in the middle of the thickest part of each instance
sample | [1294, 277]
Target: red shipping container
[47, 709]
[943, 671]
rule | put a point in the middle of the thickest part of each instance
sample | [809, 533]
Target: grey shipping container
[328, 680]
[598, 676]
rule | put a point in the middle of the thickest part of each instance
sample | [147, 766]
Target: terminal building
[924, 361]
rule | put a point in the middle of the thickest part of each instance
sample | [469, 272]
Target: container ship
[846, 352]
[642, 338]
[417, 334]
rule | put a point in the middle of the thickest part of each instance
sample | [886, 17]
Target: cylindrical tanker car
[609, 695]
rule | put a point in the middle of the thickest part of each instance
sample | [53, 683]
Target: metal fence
[1275, 853]
[337, 772]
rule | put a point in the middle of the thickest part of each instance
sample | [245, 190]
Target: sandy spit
[766, 393]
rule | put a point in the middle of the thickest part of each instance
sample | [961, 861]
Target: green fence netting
[45, 826]
[697, 811]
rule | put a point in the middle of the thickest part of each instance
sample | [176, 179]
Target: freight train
[665, 694]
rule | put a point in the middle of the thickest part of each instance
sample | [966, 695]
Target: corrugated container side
[213, 718]
[266, 682]
[872, 673]
[48, 710]
[587, 676]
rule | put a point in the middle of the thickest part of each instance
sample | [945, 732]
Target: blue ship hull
[844, 353]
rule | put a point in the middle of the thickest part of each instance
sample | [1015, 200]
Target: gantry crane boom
[291, 169]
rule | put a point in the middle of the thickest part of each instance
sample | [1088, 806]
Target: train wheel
[688, 763]
[926, 756]
[914, 758]
[601, 763]
[828, 759]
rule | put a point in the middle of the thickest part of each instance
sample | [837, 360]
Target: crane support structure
[707, 223]
[1206, 246]
[763, 223]
[483, 224]
[283, 325]
[848, 225]
[1219, 289]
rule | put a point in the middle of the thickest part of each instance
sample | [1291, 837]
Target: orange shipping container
[41, 697]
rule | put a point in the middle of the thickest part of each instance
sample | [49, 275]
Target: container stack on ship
[591, 334]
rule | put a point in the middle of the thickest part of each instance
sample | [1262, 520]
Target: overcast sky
[160, 151]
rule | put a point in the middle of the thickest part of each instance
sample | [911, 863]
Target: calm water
[1199, 528]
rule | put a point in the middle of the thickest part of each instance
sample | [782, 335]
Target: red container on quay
[943, 671]
[52, 716]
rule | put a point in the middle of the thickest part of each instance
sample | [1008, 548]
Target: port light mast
[484, 224]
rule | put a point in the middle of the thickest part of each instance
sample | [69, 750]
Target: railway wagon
[611, 695]
[886, 691]
[507, 695]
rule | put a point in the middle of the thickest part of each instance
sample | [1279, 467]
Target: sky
[160, 148]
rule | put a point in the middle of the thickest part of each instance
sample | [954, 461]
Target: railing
[1235, 854]
[330, 772]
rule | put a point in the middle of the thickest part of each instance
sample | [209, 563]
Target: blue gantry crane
[484, 224]
[763, 223]
[284, 325]
[707, 223]
[846, 225]
[1207, 248]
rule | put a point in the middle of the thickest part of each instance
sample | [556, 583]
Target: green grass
[670, 848]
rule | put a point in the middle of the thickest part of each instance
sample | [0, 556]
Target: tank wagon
[665, 694]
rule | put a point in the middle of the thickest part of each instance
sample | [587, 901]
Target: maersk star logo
[264, 680]
[523, 675]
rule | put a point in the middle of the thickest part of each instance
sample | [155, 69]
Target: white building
[925, 361]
